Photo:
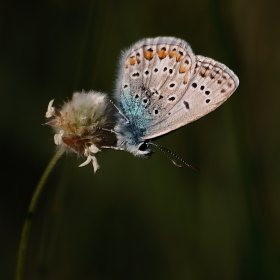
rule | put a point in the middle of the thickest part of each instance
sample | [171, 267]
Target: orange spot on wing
[148, 55]
[161, 54]
[132, 61]
[171, 53]
[186, 79]
[203, 73]
[138, 60]
[183, 69]
[178, 57]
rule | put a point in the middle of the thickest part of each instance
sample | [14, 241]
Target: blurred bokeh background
[134, 218]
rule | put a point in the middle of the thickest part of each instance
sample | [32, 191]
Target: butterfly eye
[143, 146]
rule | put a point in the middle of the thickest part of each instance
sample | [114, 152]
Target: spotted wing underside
[154, 75]
[211, 85]
[163, 86]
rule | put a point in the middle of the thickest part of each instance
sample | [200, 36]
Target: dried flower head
[78, 125]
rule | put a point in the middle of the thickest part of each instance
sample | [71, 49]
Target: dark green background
[134, 218]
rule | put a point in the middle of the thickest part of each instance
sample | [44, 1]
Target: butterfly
[162, 85]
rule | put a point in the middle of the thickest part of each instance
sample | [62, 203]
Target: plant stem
[28, 220]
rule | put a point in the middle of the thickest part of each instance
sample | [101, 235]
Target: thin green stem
[28, 220]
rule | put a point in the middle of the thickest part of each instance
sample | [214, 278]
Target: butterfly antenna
[165, 151]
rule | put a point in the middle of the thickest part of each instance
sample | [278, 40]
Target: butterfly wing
[211, 85]
[154, 75]
[163, 86]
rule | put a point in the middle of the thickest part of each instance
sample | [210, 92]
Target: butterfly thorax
[129, 139]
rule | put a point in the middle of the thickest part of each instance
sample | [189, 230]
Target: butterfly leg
[109, 130]
[120, 112]
[112, 147]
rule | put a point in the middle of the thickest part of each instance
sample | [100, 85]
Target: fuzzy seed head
[78, 124]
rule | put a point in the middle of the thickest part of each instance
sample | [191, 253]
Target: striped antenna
[165, 151]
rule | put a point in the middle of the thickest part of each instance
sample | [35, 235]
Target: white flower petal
[58, 137]
[50, 110]
[94, 164]
[88, 160]
[93, 149]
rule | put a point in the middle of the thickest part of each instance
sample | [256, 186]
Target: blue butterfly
[162, 85]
